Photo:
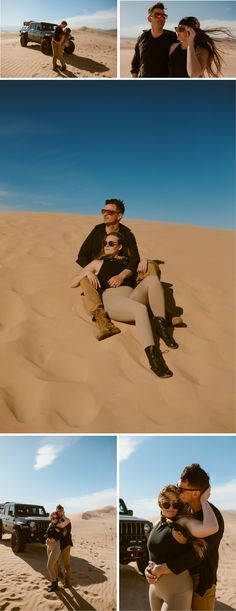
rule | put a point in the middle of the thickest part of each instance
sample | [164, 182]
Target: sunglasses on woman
[109, 243]
[167, 505]
[180, 28]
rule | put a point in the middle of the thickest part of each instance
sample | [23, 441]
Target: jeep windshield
[49, 26]
[30, 510]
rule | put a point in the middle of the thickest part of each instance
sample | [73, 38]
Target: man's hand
[142, 266]
[115, 281]
[206, 494]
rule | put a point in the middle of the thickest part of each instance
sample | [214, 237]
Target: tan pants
[93, 299]
[58, 53]
[53, 552]
[205, 602]
[131, 305]
[65, 554]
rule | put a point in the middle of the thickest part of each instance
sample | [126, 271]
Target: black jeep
[42, 32]
[133, 537]
[25, 524]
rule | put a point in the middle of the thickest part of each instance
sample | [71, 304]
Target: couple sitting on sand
[184, 545]
[110, 260]
[59, 542]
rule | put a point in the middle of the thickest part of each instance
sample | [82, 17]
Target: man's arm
[135, 63]
[85, 254]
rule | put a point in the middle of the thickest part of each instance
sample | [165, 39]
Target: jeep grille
[41, 526]
[132, 530]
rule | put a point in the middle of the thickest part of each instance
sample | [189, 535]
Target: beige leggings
[171, 593]
[125, 304]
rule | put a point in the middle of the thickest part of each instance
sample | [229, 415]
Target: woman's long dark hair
[202, 39]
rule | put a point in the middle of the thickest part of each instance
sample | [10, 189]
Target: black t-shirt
[178, 63]
[66, 538]
[152, 54]
[162, 546]
[112, 267]
[58, 33]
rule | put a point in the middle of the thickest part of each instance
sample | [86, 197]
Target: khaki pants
[53, 552]
[205, 602]
[92, 298]
[58, 53]
[171, 592]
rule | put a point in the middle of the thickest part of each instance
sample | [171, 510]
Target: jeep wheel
[23, 40]
[17, 542]
[46, 46]
[70, 49]
[142, 564]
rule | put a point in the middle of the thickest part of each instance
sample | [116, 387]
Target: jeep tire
[70, 49]
[17, 542]
[23, 40]
[142, 564]
[46, 46]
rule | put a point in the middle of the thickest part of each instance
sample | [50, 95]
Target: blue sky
[165, 147]
[90, 13]
[149, 463]
[77, 471]
[133, 14]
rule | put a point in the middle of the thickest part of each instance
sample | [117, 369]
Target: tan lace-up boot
[104, 324]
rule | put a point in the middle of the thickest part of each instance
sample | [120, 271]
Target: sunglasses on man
[109, 212]
[159, 15]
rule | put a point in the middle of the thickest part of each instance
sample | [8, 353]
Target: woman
[196, 51]
[126, 303]
[171, 537]
[53, 534]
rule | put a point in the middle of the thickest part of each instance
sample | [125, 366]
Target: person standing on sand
[151, 54]
[193, 482]
[53, 536]
[65, 544]
[58, 47]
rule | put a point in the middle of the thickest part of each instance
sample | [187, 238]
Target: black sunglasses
[110, 243]
[167, 505]
[187, 489]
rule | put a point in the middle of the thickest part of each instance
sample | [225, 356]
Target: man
[193, 482]
[66, 544]
[152, 48]
[58, 47]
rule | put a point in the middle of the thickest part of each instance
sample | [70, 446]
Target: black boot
[53, 587]
[157, 362]
[162, 330]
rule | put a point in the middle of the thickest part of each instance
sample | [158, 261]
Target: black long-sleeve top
[53, 532]
[151, 54]
[206, 568]
[92, 246]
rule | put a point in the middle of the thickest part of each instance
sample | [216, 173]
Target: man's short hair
[64, 22]
[196, 476]
[59, 507]
[157, 5]
[118, 203]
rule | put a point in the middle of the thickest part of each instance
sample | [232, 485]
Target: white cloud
[127, 446]
[87, 502]
[105, 20]
[50, 450]
[224, 495]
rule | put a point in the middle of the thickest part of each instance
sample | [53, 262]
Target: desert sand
[134, 588]
[56, 377]
[227, 48]
[24, 577]
[94, 57]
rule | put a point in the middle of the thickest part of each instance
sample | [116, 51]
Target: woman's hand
[93, 279]
[206, 494]
[148, 573]
[190, 35]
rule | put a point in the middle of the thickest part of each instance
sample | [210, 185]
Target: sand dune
[227, 49]
[134, 588]
[56, 377]
[24, 578]
[94, 56]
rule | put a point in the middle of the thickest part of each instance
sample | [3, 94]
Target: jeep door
[8, 518]
[34, 32]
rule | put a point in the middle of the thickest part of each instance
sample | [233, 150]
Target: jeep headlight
[147, 529]
[32, 525]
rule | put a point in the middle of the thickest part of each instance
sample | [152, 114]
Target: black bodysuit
[178, 63]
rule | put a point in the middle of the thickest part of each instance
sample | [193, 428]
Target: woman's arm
[63, 524]
[197, 59]
[209, 525]
[89, 271]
